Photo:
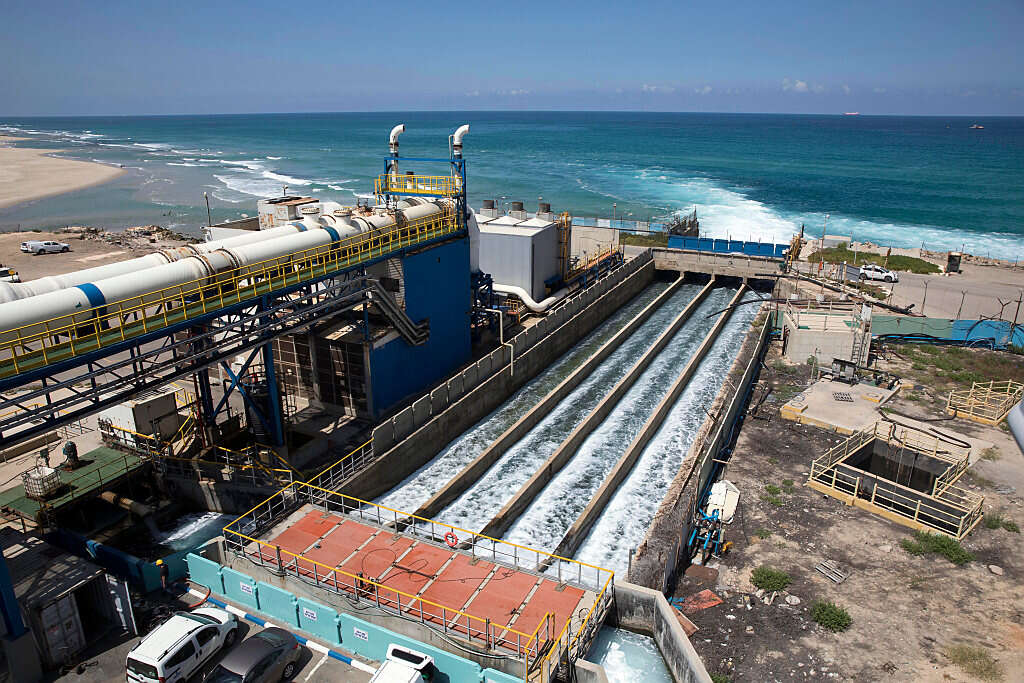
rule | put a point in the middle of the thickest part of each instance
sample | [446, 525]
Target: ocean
[899, 181]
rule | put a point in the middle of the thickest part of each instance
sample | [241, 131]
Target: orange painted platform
[507, 597]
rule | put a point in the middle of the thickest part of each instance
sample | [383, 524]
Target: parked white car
[177, 648]
[9, 275]
[44, 247]
[875, 272]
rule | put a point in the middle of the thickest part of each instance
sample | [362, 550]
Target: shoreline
[28, 174]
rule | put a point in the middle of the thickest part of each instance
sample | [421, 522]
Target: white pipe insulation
[528, 300]
[206, 261]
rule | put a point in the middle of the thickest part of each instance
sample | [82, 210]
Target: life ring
[451, 539]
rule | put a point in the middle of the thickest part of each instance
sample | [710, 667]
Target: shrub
[975, 661]
[991, 454]
[1011, 526]
[762, 533]
[773, 489]
[993, 521]
[925, 543]
[720, 678]
[830, 616]
[770, 579]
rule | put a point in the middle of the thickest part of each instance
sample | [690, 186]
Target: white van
[177, 648]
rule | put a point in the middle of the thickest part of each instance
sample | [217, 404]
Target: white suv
[44, 247]
[177, 648]
[875, 272]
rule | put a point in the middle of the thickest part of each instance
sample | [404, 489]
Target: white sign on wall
[309, 613]
[360, 634]
[246, 587]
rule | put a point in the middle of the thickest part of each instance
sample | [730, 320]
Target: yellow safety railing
[347, 465]
[431, 185]
[37, 344]
[262, 516]
[985, 402]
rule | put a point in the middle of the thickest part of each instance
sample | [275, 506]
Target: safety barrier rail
[241, 538]
[39, 344]
[985, 402]
[420, 185]
[343, 468]
[948, 509]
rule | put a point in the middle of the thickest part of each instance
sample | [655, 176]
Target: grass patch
[831, 616]
[773, 460]
[772, 489]
[911, 396]
[925, 543]
[773, 500]
[762, 533]
[975, 661]
[842, 254]
[997, 521]
[720, 678]
[770, 579]
[991, 454]
[644, 240]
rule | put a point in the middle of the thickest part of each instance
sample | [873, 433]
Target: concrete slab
[819, 406]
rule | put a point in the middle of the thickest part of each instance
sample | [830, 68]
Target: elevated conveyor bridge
[58, 371]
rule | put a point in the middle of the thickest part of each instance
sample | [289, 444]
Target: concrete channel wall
[405, 446]
[581, 527]
[647, 611]
[475, 469]
[725, 265]
[565, 451]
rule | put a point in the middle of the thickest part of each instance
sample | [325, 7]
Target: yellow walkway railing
[39, 344]
[420, 185]
[985, 402]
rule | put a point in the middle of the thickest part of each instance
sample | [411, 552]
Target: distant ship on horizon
[975, 126]
[851, 113]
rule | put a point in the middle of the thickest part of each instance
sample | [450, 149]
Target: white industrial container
[520, 253]
[281, 210]
[151, 413]
[40, 481]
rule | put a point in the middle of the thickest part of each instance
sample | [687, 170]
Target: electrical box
[153, 414]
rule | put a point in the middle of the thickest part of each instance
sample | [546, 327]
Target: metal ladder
[414, 333]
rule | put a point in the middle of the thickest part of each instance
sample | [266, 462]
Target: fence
[241, 539]
[352, 462]
[947, 509]
[995, 334]
[728, 246]
[396, 428]
[985, 402]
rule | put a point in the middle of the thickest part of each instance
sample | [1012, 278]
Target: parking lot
[106, 662]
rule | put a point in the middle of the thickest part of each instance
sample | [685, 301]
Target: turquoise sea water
[901, 181]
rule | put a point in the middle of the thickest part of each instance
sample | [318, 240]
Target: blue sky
[112, 57]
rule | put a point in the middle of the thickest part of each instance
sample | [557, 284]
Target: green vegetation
[997, 521]
[942, 368]
[831, 616]
[773, 500]
[841, 254]
[925, 543]
[975, 661]
[770, 579]
[990, 454]
[644, 240]
[773, 489]
[720, 678]
[762, 533]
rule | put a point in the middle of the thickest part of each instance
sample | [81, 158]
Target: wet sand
[27, 174]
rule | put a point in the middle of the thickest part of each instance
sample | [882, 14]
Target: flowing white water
[549, 516]
[628, 515]
[418, 487]
[475, 507]
[628, 657]
[193, 529]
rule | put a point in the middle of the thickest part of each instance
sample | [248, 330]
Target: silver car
[269, 656]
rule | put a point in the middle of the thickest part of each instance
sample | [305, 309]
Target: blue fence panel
[278, 604]
[321, 621]
[735, 246]
[780, 250]
[240, 588]
[495, 676]
[205, 572]
[676, 242]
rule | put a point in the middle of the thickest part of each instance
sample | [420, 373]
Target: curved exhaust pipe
[457, 136]
[393, 138]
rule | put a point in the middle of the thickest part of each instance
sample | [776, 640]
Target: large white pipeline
[12, 291]
[536, 307]
[25, 313]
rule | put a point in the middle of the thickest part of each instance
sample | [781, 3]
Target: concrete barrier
[475, 469]
[439, 399]
[563, 454]
[647, 611]
[421, 411]
[581, 527]
[455, 385]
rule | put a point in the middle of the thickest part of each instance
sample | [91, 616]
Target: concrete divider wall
[414, 446]
[561, 455]
[647, 611]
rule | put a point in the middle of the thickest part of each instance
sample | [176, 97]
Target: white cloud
[703, 91]
[794, 85]
[514, 92]
[817, 87]
[846, 89]
[646, 87]
[473, 93]
[879, 90]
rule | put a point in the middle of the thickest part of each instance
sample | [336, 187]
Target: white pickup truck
[44, 247]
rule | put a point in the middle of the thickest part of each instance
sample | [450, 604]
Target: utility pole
[925, 299]
[209, 220]
[963, 295]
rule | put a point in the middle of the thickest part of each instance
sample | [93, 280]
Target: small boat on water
[851, 113]
[975, 126]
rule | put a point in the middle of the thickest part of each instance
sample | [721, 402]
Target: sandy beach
[27, 174]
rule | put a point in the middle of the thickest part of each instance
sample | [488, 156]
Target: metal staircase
[414, 333]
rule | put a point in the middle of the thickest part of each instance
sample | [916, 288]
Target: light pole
[924, 299]
[209, 220]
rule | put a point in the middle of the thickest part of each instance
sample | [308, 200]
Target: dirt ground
[907, 611]
[88, 250]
